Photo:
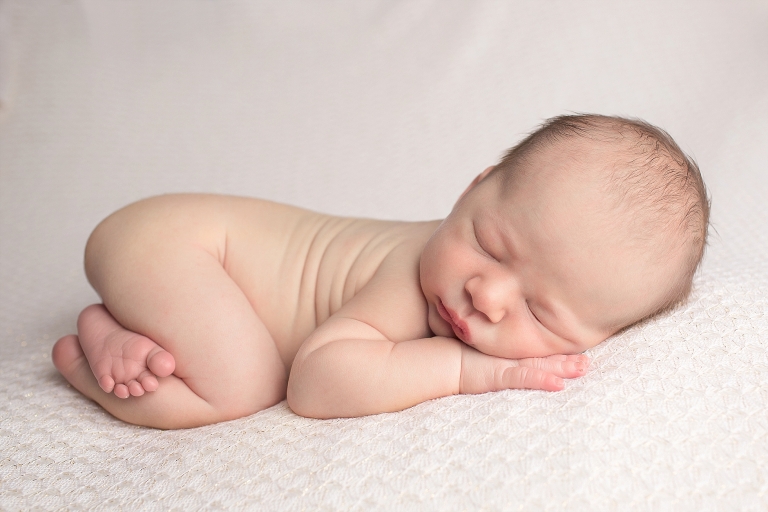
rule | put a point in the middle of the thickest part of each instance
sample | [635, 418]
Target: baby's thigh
[158, 266]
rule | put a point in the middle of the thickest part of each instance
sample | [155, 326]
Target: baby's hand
[481, 373]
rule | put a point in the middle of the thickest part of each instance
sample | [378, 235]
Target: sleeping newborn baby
[217, 307]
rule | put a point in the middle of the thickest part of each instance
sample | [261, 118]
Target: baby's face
[531, 271]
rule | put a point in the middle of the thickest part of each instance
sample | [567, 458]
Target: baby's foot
[122, 361]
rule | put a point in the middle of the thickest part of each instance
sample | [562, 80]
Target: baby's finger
[567, 368]
[570, 357]
[525, 377]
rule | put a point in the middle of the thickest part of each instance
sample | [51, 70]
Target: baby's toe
[148, 382]
[107, 383]
[160, 362]
[121, 391]
[134, 388]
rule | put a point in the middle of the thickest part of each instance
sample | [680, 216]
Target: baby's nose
[488, 298]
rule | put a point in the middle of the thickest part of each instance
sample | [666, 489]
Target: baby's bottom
[169, 306]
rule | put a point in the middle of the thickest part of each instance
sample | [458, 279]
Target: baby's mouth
[460, 328]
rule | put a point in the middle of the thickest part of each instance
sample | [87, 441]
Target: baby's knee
[109, 242]
[146, 235]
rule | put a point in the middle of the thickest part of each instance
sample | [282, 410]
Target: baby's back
[295, 266]
[299, 267]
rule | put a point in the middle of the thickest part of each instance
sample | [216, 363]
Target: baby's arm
[349, 366]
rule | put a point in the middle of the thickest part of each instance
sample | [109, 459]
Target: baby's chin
[437, 327]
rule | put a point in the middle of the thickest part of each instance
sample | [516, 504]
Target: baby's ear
[475, 181]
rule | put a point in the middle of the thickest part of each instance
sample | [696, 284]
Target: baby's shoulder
[391, 299]
[388, 251]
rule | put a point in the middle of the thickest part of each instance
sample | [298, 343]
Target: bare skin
[217, 307]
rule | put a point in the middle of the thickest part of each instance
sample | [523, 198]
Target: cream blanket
[383, 109]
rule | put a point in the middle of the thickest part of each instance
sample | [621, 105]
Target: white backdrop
[383, 109]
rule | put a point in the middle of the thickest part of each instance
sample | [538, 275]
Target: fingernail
[579, 366]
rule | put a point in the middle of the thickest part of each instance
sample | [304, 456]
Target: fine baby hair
[656, 190]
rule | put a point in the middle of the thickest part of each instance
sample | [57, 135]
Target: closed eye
[479, 244]
[536, 319]
[531, 312]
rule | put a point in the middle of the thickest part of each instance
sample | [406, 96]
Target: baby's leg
[158, 269]
[189, 410]
[122, 361]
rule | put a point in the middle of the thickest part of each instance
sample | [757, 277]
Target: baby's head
[587, 226]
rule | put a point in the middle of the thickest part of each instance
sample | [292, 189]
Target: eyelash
[531, 312]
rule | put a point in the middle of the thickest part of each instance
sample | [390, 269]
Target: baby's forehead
[596, 212]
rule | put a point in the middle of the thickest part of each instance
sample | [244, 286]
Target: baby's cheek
[522, 343]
